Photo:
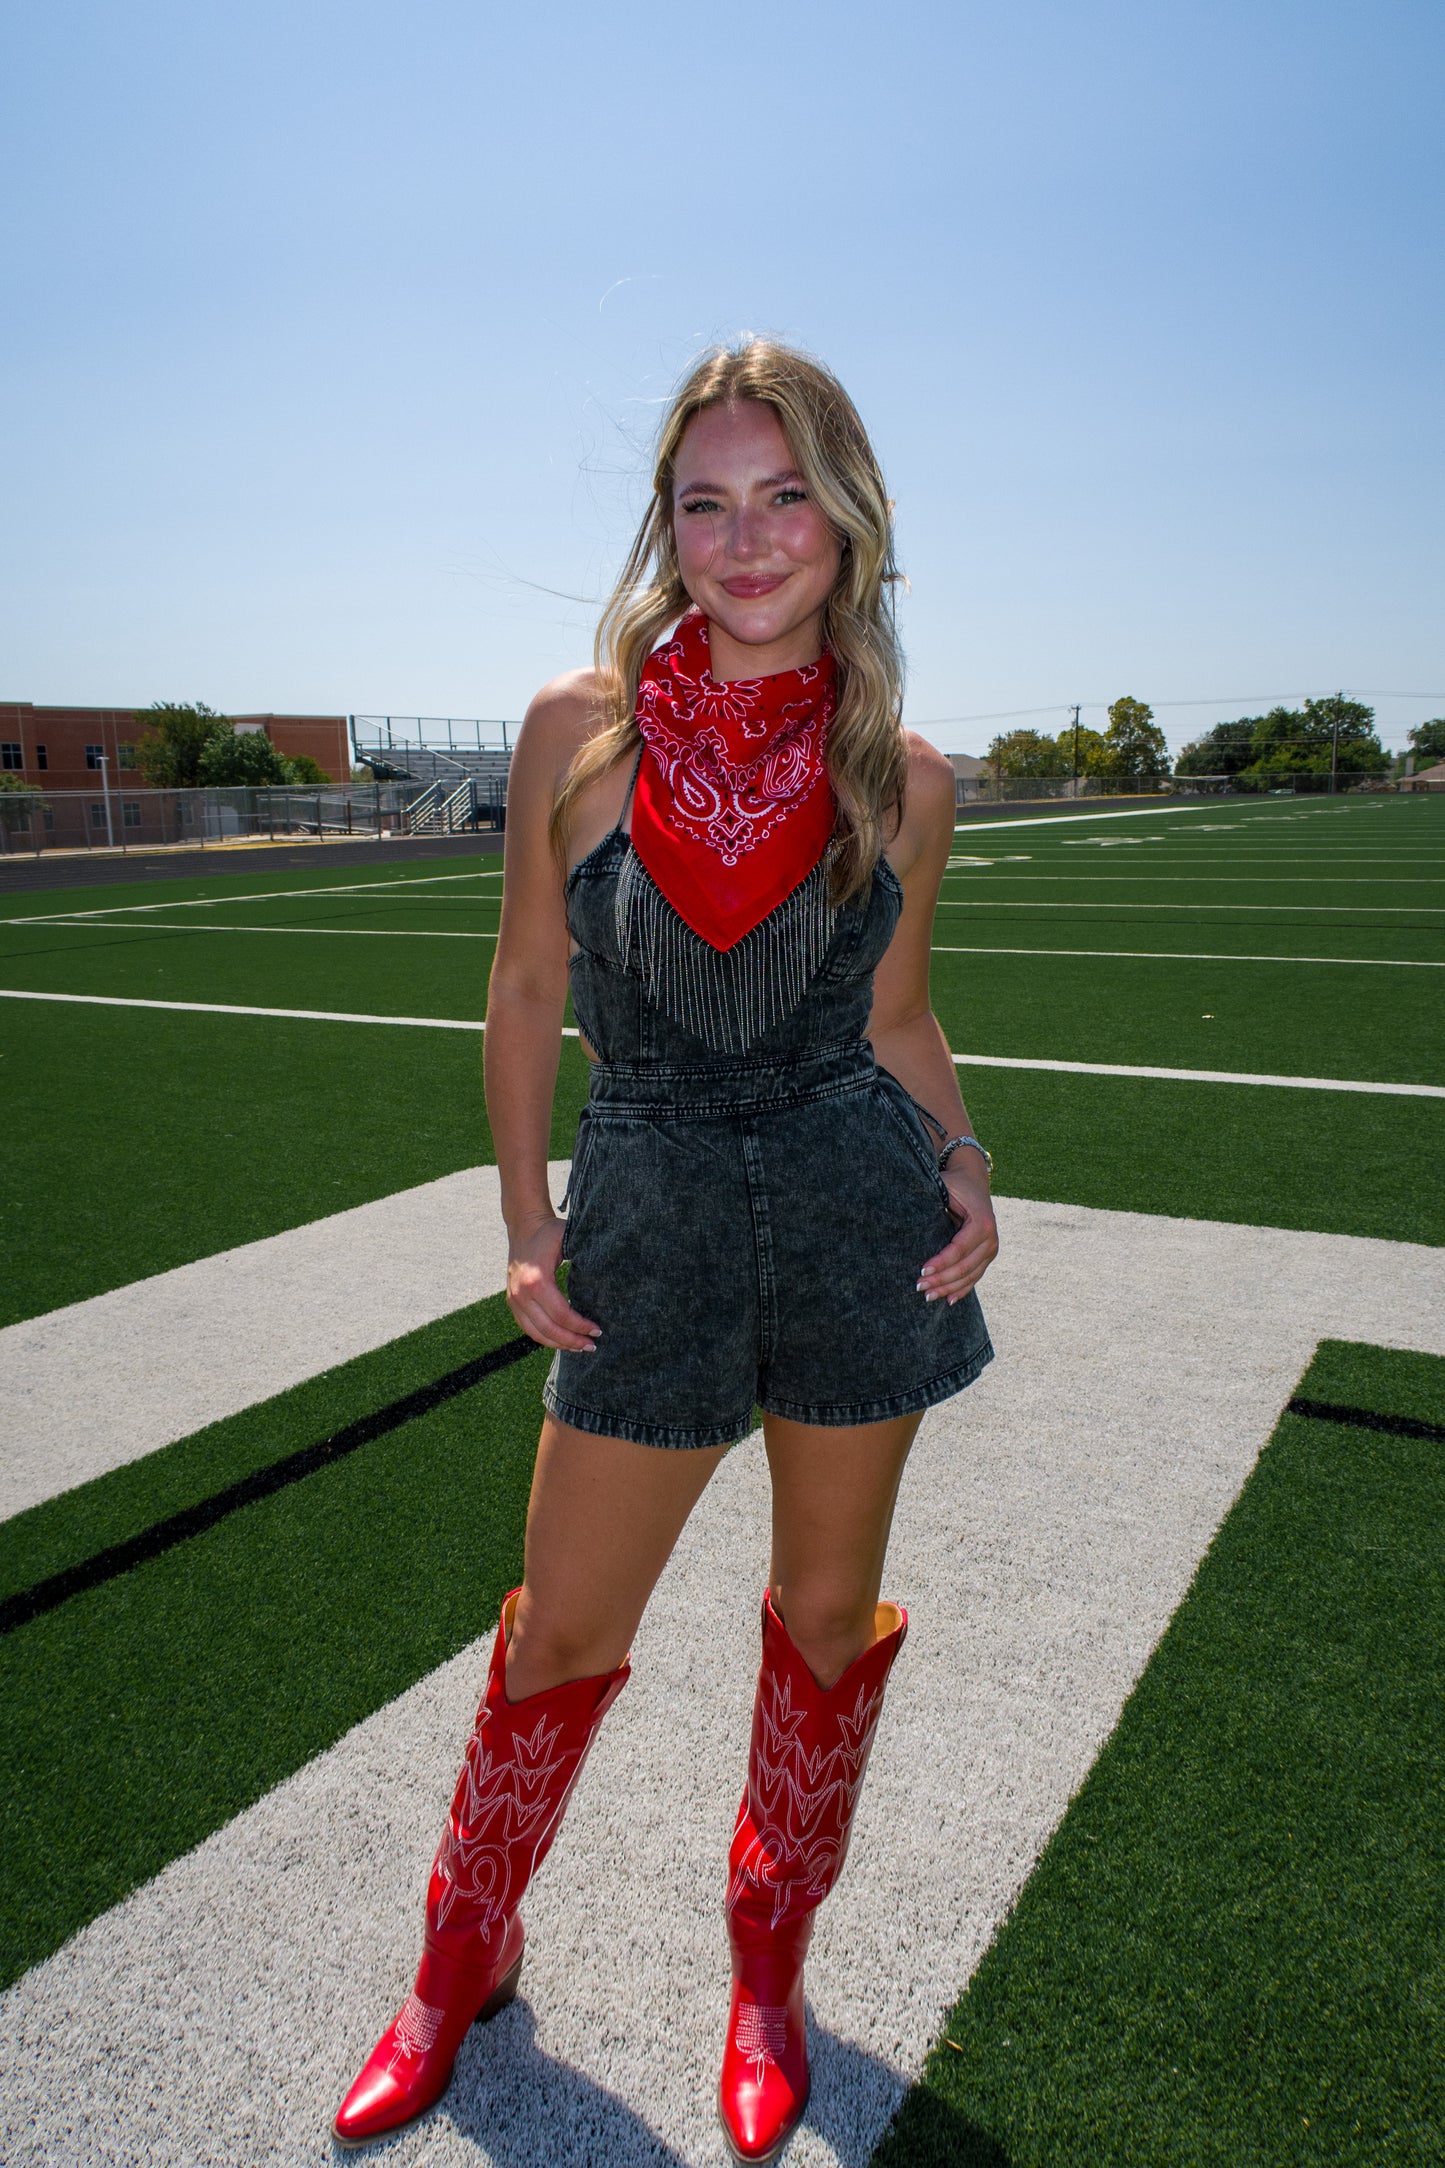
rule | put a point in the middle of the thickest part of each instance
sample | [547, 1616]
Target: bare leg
[603, 1518]
[833, 1497]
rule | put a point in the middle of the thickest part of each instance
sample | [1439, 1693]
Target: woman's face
[757, 556]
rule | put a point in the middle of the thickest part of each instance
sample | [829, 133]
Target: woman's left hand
[962, 1264]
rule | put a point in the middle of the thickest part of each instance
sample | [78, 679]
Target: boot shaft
[809, 1753]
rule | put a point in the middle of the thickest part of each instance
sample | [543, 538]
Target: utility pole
[1077, 705]
[1335, 748]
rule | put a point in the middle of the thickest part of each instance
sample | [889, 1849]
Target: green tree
[1026, 752]
[1090, 744]
[1427, 742]
[1225, 750]
[301, 768]
[239, 759]
[169, 756]
[20, 803]
[1134, 743]
[1303, 741]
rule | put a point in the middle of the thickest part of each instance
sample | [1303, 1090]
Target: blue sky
[335, 336]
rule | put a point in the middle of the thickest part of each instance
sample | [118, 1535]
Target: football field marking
[265, 895]
[1199, 956]
[1049, 1524]
[991, 1061]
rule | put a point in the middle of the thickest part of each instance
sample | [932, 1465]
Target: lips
[748, 586]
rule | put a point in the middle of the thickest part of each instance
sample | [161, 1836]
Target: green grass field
[152, 1137]
[1230, 1949]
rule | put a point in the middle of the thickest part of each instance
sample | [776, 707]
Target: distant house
[967, 768]
[62, 748]
[1426, 779]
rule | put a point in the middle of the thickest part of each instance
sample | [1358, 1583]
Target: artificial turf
[142, 1715]
[1231, 1950]
[152, 1138]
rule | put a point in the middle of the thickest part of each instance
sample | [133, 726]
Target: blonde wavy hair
[867, 756]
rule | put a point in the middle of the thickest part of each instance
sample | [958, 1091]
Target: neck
[730, 658]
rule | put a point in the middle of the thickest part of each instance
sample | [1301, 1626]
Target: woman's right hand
[533, 1296]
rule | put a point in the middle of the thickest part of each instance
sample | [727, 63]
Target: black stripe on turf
[118, 1558]
[1402, 1426]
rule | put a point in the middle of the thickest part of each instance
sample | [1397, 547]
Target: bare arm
[525, 1005]
[905, 1033]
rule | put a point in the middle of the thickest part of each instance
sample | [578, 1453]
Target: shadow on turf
[547, 2115]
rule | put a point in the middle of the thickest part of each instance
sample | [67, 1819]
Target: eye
[702, 504]
[791, 495]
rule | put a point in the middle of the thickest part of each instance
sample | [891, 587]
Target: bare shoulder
[559, 720]
[925, 827]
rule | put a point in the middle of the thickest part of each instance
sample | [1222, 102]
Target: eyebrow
[770, 481]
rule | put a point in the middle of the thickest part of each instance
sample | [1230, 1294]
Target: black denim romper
[748, 1229]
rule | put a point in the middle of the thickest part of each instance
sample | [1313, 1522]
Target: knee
[548, 1647]
[829, 1624]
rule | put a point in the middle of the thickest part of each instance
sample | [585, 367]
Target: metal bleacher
[460, 763]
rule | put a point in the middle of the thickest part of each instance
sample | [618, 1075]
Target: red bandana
[733, 807]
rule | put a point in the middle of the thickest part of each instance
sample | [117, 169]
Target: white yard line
[265, 895]
[1049, 1524]
[1218, 880]
[992, 1061]
[347, 933]
[1199, 956]
[1201, 1076]
[98, 1383]
[995, 902]
[1067, 820]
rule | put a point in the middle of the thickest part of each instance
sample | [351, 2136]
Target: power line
[1067, 707]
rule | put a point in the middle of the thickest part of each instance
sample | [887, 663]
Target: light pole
[105, 788]
[1076, 749]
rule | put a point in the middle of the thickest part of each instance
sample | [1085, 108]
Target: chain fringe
[725, 997]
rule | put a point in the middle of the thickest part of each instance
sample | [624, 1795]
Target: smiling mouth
[752, 584]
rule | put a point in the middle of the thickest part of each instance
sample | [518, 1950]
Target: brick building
[61, 748]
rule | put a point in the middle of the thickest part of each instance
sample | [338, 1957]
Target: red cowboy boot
[521, 1764]
[805, 1772]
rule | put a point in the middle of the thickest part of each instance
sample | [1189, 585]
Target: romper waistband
[742, 1084]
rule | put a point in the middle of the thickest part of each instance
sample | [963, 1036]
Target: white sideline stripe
[410, 933]
[97, 1384]
[1048, 1527]
[344, 933]
[1201, 1076]
[1216, 880]
[569, 1031]
[1048, 903]
[234, 1008]
[1198, 956]
[1066, 820]
[265, 895]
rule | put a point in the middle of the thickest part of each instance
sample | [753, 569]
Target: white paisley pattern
[760, 2036]
[735, 758]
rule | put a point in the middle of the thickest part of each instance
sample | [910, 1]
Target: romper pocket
[903, 1116]
[570, 1195]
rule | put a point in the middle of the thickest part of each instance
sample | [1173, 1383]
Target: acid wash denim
[748, 1229]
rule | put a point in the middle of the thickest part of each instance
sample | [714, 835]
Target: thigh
[602, 1521]
[834, 1490]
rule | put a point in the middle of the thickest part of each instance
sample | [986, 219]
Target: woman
[734, 850]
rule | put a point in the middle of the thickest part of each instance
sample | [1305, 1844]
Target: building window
[47, 816]
[94, 755]
[130, 812]
[11, 756]
[19, 817]
[126, 755]
[42, 758]
[97, 816]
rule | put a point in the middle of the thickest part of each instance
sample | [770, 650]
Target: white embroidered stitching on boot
[417, 2026]
[761, 2036]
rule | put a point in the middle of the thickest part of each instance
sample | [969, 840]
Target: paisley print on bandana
[733, 807]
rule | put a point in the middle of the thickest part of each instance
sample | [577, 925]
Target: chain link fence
[33, 820]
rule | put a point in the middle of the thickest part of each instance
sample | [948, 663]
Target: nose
[745, 537]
